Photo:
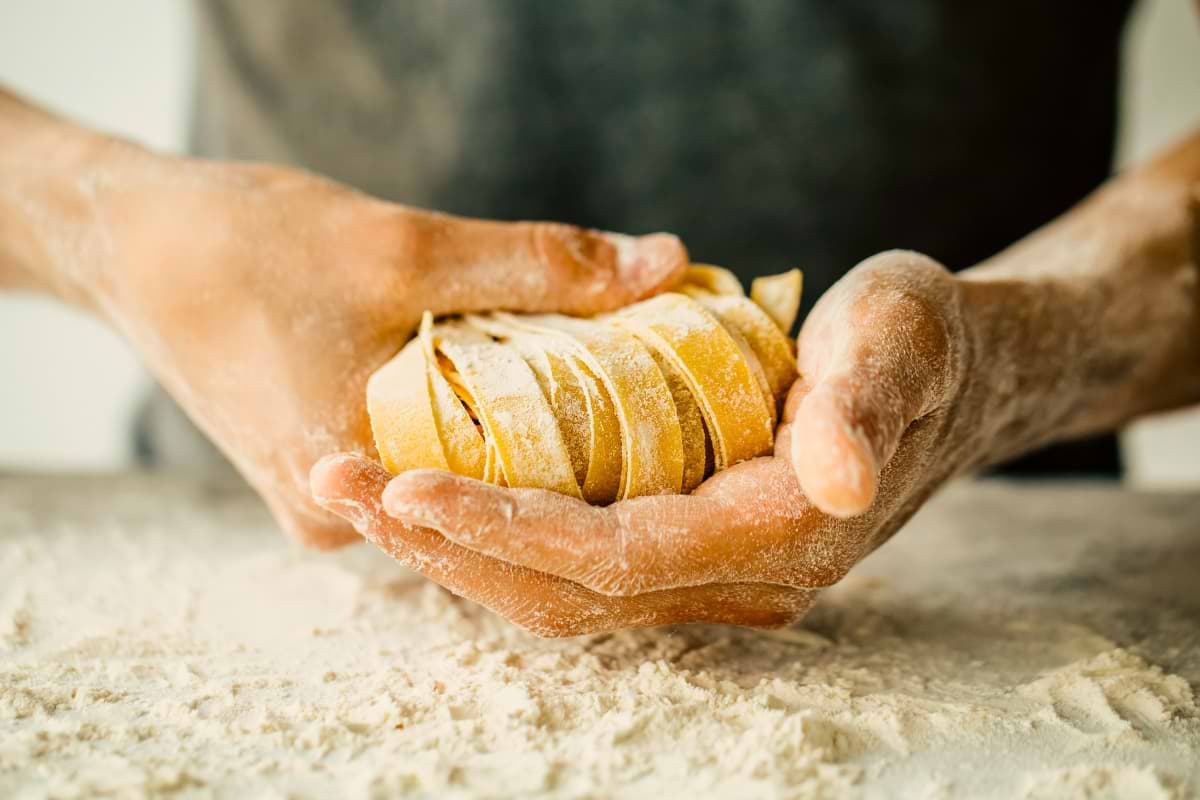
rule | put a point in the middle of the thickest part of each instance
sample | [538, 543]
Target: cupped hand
[264, 297]
[877, 422]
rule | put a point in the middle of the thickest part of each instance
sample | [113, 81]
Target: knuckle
[552, 616]
[922, 322]
[911, 309]
[613, 574]
[398, 236]
[570, 251]
[394, 245]
[623, 571]
[614, 581]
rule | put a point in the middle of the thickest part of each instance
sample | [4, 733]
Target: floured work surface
[158, 637]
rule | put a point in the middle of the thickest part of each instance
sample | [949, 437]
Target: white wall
[67, 385]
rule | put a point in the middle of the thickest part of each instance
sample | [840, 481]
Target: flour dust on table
[158, 637]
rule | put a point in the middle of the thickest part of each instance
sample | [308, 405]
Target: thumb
[878, 358]
[840, 439]
[479, 265]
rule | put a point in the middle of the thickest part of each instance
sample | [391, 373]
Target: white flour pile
[160, 639]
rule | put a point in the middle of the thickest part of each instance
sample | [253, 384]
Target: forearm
[1095, 319]
[51, 175]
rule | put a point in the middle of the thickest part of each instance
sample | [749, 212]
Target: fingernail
[410, 513]
[399, 504]
[419, 485]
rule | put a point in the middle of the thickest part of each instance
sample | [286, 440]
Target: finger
[480, 265]
[746, 524]
[783, 442]
[795, 396]
[545, 604]
[877, 359]
[838, 448]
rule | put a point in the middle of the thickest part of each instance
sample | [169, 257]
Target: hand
[909, 376]
[283, 292]
[263, 297]
[875, 425]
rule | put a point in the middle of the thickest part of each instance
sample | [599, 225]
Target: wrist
[53, 178]
[1091, 321]
[1022, 387]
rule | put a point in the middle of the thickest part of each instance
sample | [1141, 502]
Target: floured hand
[909, 376]
[884, 353]
[263, 297]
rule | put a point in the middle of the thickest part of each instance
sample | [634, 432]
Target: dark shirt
[765, 133]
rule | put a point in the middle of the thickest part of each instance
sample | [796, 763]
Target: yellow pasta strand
[649, 399]
[715, 367]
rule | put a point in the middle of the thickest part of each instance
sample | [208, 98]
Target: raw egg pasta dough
[649, 399]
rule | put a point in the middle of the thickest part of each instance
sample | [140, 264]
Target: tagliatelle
[649, 399]
[651, 442]
[771, 346]
[777, 294]
[717, 370]
[512, 411]
[399, 402]
[462, 445]
[691, 423]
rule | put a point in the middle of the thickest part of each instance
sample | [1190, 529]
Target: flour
[159, 638]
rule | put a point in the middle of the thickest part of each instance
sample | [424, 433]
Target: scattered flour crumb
[161, 639]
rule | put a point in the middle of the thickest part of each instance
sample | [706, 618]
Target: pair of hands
[263, 297]
[266, 320]
[866, 438]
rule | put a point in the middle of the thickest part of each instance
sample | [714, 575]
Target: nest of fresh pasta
[649, 399]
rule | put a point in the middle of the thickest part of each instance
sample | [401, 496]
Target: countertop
[158, 636]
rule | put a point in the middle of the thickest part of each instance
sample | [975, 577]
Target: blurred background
[68, 386]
